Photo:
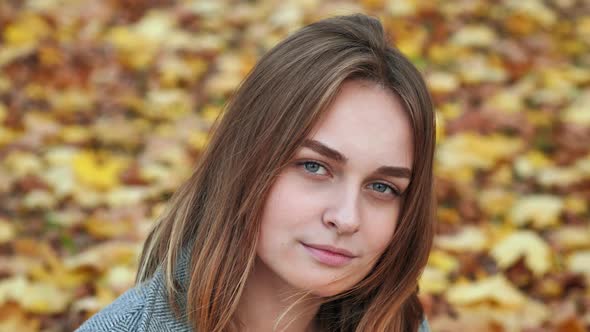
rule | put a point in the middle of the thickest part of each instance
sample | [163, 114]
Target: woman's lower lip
[327, 257]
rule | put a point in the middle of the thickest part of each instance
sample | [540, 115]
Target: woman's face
[333, 210]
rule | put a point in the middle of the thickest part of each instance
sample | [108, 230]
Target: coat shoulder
[123, 315]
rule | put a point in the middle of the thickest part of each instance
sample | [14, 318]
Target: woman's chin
[324, 289]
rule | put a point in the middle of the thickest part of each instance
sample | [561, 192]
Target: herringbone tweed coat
[144, 308]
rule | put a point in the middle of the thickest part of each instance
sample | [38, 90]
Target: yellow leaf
[433, 281]
[474, 36]
[579, 111]
[60, 276]
[7, 136]
[458, 174]
[101, 228]
[469, 238]
[288, 15]
[210, 113]
[476, 151]
[444, 53]
[61, 180]
[527, 244]
[50, 56]
[22, 163]
[138, 44]
[443, 261]
[583, 165]
[13, 318]
[132, 102]
[571, 237]
[167, 104]
[39, 298]
[72, 100]
[27, 29]
[495, 289]
[174, 70]
[126, 196]
[75, 134]
[502, 176]
[120, 278]
[450, 111]
[559, 176]
[538, 119]
[508, 101]
[533, 9]
[198, 140]
[7, 55]
[576, 205]
[475, 69]
[500, 318]
[104, 255]
[401, 7]
[135, 50]
[104, 294]
[448, 215]
[531, 163]
[45, 298]
[156, 25]
[98, 170]
[442, 82]
[39, 199]
[541, 209]
[580, 262]
[495, 201]
[7, 231]
[411, 43]
[36, 91]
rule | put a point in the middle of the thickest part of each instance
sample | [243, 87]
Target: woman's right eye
[314, 168]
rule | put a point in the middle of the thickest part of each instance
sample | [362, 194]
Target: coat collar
[161, 316]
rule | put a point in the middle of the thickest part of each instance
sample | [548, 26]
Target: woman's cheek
[382, 225]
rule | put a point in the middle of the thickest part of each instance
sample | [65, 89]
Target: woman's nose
[342, 213]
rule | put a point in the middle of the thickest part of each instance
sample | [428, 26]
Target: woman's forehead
[367, 121]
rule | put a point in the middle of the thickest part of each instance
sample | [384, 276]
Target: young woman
[312, 208]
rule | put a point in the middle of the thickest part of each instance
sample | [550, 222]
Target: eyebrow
[394, 171]
[324, 150]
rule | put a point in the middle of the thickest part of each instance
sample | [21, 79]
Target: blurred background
[105, 107]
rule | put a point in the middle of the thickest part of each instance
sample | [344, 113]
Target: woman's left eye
[383, 188]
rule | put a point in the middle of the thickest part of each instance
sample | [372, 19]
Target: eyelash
[394, 191]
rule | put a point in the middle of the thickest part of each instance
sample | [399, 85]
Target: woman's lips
[329, 255]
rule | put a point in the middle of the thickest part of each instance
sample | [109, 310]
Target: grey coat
[144, 308]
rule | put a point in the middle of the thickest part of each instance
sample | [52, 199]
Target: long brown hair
[216, 213]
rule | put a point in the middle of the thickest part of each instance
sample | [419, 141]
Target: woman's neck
[267, 299]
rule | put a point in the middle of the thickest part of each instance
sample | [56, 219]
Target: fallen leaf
[527, 244]
[579, 261]
[13, 318]
[468, 238]
[495, 289]
[98, 170]
[542, 210]
[433, 281]
[474, 36]
[7, 231]
[34, 297]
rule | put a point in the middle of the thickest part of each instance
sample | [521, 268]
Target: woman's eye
[315, 168]
[383, 188]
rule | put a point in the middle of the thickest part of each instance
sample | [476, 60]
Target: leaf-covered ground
[105, 106]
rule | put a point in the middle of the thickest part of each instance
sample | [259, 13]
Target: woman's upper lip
[329, 248]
